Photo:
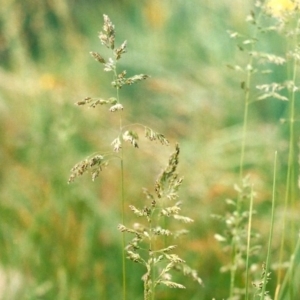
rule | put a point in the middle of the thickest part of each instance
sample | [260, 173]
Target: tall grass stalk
[248, 243]
[268, 259]
[246, 112]
[289, 198]
[95, 163]
[147, 247]
[286, 290]
[123, 244]
[144, 247]
[246, 86]
[286, 23]
[123, 218]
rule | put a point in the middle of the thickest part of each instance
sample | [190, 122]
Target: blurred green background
[60, 241]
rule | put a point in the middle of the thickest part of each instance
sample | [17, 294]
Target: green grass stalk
[122, 195]
[286, 290]
[268, 260]
[245, 119]
[248, 244]
[152, 265]
[247, 87]
[123, 234]
[242, 158]
[290, 179]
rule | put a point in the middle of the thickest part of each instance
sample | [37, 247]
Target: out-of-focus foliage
[60, 241]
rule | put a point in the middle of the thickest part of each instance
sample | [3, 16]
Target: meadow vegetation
[223, 86]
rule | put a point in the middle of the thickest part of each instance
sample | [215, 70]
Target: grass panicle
[160, 261]
[260, 69]
[236, 237]
[153, 245]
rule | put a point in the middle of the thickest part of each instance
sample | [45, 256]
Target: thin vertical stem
[123, 233]
[247, 86]
[152, 275]
[286, 285]
[151, 288]
[289, 191]
[271, 230]
[242, 158]
[122, 197]
[245, 121]
[248, 243]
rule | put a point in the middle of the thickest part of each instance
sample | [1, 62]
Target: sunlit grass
[54, 239]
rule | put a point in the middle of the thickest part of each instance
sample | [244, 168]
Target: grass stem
[290, 177]
[268, 260]
[122, 195]
[248, 244]
[123, 233]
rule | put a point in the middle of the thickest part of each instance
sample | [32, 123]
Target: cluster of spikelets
[95, 163]
[149, 243]
[280, 18]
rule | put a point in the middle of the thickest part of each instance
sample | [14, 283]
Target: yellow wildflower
[156, 13]
[278, 7]
[48, 81]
